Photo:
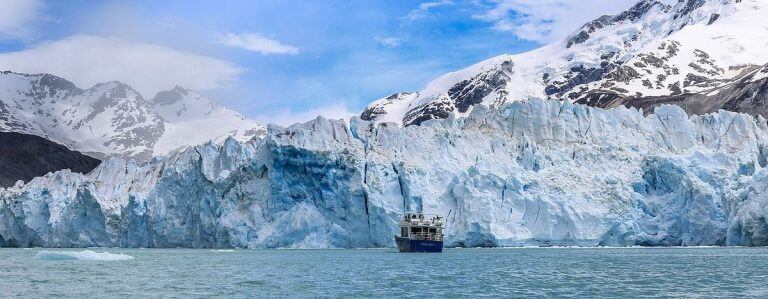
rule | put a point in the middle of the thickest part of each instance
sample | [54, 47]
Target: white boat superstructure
[420, 232]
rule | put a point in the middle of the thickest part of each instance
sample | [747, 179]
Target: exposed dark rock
[372, 112]
[746, 94]
[602, 98]
[170, 96]
[623, 74]
[690, 6]
[607, 56]
[432, 110]
[577, 76]
[713, 18]
[632, 14]
[23, 157]
[647, 83]
[675, 88]
[652, 60]
[460, 97]
[580, 37]
[471, 92]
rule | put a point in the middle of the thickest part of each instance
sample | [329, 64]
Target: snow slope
[192, 119]
[112, 119]
[650, 50]
[533, 172]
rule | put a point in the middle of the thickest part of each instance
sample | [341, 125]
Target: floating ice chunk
[222, 250]
[85, 255]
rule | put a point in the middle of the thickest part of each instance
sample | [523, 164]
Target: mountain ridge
[649, 51]
[112, 119]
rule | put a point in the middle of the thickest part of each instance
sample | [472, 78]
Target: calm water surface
[513, 272]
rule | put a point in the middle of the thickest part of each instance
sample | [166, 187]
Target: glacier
[533, 172]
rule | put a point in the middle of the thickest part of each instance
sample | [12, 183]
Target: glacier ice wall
[533, 172]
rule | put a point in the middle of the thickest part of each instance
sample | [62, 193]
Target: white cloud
[390, 42]
[257, 43]
[87, 60]
[546, 21]
[18, 16]
[288, 117]
[423, 10]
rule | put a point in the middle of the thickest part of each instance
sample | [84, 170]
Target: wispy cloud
[257, 43]
[546, 21]
[87, 60]
[18, 16]
[390, 42]
[424, 9]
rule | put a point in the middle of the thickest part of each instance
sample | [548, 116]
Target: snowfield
[531, 172]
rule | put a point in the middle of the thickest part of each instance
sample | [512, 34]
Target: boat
[420, 233]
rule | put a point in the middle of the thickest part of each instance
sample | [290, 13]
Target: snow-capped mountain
[192, 119]
[112, 118]
[529, 172]
[693, 49]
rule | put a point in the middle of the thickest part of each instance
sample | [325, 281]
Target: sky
[278, 61]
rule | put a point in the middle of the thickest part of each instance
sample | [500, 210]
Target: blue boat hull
[408, 245]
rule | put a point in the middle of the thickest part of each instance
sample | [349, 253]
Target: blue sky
[278, 61]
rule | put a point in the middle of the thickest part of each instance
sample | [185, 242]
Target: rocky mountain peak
[55, 83]
[630, 15]
[113, 85]
[38, 86]
[168, 97]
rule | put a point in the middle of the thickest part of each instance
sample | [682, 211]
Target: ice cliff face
[529, 172]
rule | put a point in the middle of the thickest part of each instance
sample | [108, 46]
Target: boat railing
[427, 236]
[423, 223]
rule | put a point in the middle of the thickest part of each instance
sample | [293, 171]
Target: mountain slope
[23, 157]
[651, 50]
[747, 94]
[192, 119]
[106, 119]
[112, 119]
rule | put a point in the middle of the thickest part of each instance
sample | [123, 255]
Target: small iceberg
[222, 250]
[85, 255]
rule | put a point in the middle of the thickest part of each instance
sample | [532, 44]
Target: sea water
[509, 272]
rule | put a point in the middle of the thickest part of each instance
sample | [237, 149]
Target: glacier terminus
[529, 172]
